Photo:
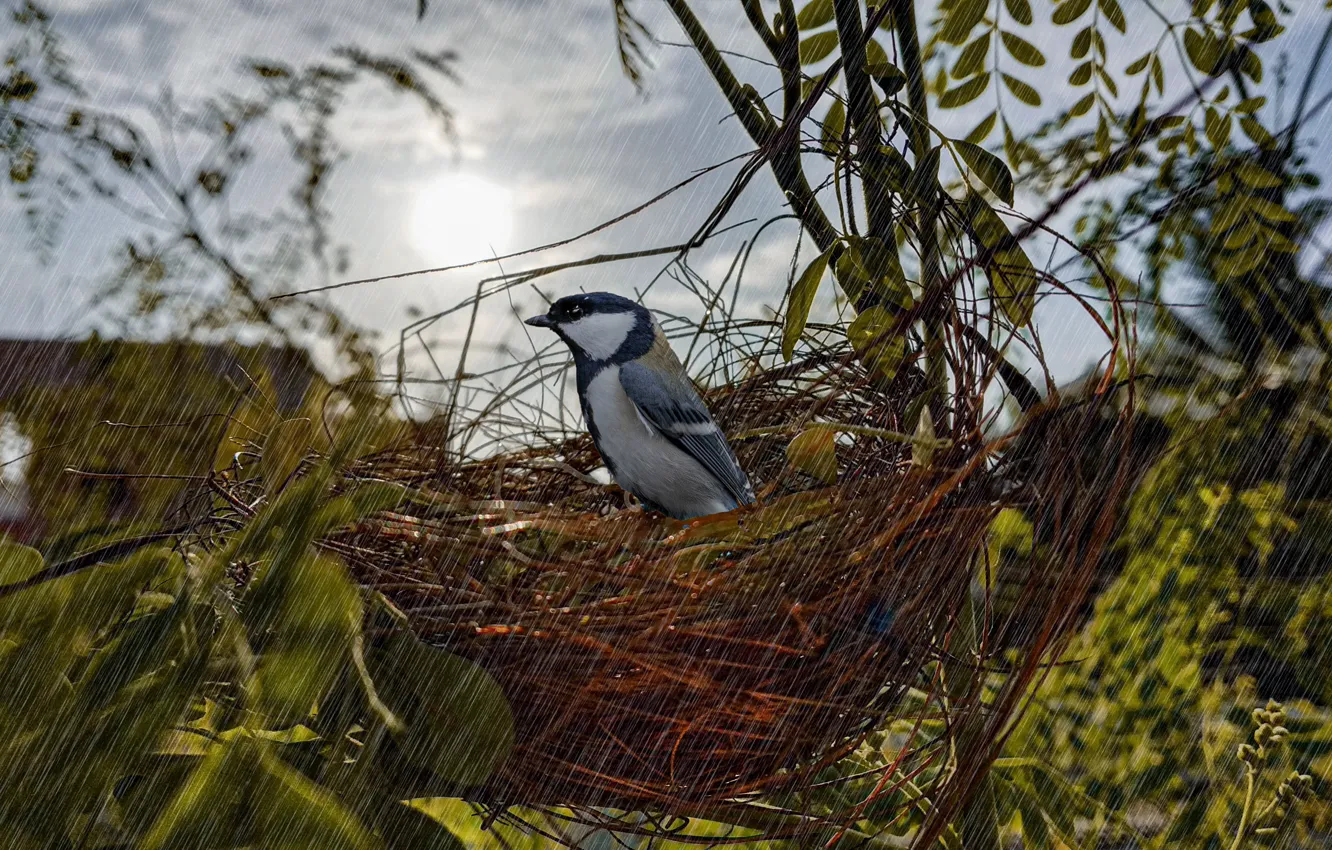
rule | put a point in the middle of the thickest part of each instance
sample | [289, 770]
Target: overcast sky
[552, 140]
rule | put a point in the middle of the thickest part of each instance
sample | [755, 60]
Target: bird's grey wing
[681, 417]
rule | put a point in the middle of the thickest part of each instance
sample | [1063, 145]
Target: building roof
[27, 364]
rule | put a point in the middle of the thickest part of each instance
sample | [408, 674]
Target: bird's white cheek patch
[601, 334]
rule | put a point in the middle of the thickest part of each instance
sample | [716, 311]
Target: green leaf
[989, 168]
[291, 810]
[1013, 278]
[208, 806]
[458, 723]
[817, 47]
[1250, 105]
[1113, 14]
[138, 648]
[971, 58]
[1070, 11]
[882, 352]
[962, 19]
[875, 54]
[1022, 50]
[284, 450]
[1203, 50]
[405, 827]
[17, 562]
[1242, 262]
[1249, 63]
[1107, 81]
[363, 499]
[1022, 91]
[1035, 832]
[982, 131]
[366, 427]
[1137, 66]
[1270, 211]
[1217, 127]
[965, 93]
[834, 127]
[1081, 43]
[1277, 242]
[307, 639]
[1020, 10]
[1056, 798]
[1256, 132]
[814, 452]
[802, 298]
[815, 14]
[879, 265]
[1257, 176]
[922, 448]
[893, 169]
[1081, 75]
[1083, 106]
[889, 77]
[1227, 217]
[923, 187]
[807, 85]
[1240, 236]
[31, 606]
[74, 607]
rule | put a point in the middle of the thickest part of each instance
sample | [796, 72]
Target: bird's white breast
[644, 462]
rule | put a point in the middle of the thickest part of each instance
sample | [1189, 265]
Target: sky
[552, 139]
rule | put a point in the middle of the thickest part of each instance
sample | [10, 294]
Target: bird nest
[654, 664]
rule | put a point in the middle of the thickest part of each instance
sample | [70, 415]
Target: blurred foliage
[156, 701]
[1155, 695]
[196, 257]
[116, 447]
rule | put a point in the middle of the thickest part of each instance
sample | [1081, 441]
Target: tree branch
[864, 118]
[754, 11]
[784, 146]
[908, 42]
[741, 102]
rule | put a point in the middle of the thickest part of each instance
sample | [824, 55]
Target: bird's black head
[600, 325]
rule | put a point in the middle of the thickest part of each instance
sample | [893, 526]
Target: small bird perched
[652, 430]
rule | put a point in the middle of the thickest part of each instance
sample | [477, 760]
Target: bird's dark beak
[542, 321]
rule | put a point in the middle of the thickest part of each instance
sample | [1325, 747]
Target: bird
[654, 433]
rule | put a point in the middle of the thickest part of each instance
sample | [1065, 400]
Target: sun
[461, 217]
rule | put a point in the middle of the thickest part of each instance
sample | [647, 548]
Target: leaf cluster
[228, 696]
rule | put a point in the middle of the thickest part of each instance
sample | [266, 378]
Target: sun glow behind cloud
[458, 218]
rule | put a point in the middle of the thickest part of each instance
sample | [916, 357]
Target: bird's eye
[575, 311]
